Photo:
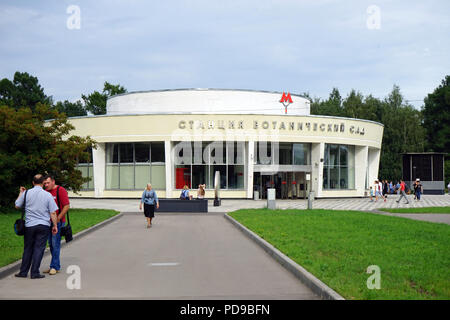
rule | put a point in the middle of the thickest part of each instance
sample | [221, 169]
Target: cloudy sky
[285, 45]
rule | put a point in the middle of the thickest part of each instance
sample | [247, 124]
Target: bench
[177, 205]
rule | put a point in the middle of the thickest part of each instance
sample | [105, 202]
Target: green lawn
[11, 245]
[338, 246]
[419, 210]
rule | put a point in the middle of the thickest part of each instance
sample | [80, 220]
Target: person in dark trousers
[54, 241]
[385, 189]
[149, 198]
[418, 190]
[40, 214]
[402, 192]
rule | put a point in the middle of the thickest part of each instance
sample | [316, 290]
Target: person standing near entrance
[149, 198]
[402, 192]
[39, 209]
[61, 198]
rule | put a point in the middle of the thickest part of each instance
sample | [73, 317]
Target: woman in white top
[201, 191]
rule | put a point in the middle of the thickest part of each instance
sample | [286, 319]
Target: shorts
[149, 210]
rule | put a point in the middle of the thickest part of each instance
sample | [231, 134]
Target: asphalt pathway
[180, 257]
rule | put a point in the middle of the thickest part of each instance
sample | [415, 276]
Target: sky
[303, 46]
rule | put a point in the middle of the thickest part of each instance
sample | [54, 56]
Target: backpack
[407, 189]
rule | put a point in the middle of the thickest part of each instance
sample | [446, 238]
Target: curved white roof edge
[207, 101]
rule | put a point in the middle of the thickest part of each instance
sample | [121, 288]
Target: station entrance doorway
[287, 185]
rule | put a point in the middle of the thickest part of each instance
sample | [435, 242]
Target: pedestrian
[448, 188]
[397, 187]
[402, 192]
[201, 191]
[149, 198]
[391, 187]
[385, 189]
[418, 189]
[371, 194]
[61, 198]
[375, 188]
[379, 190]
[40, 214]
[185, 194]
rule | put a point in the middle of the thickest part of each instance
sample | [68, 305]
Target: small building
[255, 139]
[428, 167]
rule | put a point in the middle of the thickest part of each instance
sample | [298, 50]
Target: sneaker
[37, 276]
[53, 271]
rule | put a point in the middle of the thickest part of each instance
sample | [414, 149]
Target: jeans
[54, 242]
[418, 193]
[35, 239]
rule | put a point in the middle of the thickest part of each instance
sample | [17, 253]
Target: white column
[361, 160]
[98, 158]
[374, 162]
[250, 159]
[169, 169]
[317, 153]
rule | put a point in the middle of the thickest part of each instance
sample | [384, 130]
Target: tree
[96, 101]
[330, 107]
[30, 145]
[436, 121]
[403, 131]
[23, 91]
[436, 117]
[71, 109]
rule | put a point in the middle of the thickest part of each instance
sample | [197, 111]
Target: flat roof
[207, 89]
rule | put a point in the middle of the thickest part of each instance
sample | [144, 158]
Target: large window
[282, 153]
[130, 166]
[197, 162]
[339, 167]
[87, 171]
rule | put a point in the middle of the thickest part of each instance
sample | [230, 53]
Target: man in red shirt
[402, 192]
[55, 240]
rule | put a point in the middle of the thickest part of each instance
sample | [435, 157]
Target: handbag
[19, 225]
[66, 231]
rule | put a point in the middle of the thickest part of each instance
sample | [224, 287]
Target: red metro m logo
[286, 100]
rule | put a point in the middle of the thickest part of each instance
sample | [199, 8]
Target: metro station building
[255, 139]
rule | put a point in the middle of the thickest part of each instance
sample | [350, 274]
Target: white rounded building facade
[255, 139]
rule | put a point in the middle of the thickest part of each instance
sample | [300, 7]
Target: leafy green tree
[29, 144]
[436, 121]
[330, 107]
[402, 124]
[71, 109]
[23, 91]
[436, 117]
[96, 101]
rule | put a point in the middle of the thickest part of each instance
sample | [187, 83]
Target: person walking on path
[40, 208]
[61, 198]
[149, 198]
[418, 189]
[385, 189]
[402, 192]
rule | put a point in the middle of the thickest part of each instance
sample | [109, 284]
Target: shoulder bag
[19, 225]
[66, 231]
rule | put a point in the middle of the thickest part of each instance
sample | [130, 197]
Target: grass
[11, 245]
[339, 246]
[419, 210]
